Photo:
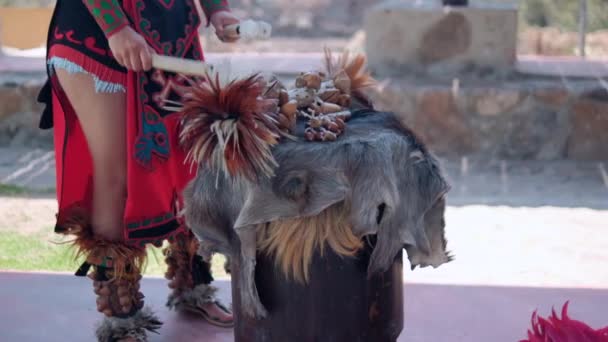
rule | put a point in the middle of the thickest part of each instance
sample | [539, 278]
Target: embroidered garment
[156, 171]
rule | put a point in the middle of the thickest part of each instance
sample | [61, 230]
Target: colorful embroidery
[153, 137]
[167, 3]
[155, 230]
[108, 14]
[89, 42]
[176, 46]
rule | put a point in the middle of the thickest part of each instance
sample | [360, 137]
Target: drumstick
[245, 30]
[249, 30]
[181, 65]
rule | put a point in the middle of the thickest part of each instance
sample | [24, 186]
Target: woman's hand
[220, 20]
[131, 50]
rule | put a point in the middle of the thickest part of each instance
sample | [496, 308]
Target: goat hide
[391, 185]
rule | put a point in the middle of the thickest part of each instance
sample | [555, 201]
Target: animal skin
[390, 184]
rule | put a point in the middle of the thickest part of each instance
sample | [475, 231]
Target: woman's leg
[102, 118]
[190, 278]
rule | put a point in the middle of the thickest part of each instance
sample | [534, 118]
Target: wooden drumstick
[249, 30]
[181, 65]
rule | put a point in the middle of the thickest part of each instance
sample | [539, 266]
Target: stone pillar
[421, 35]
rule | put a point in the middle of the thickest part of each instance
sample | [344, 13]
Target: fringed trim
[193, 299]
[73, 68]
[124, 260]
[107, 80]
[114, 329]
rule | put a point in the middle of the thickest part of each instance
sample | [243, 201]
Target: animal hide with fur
[385, 179]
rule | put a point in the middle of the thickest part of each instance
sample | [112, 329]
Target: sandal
[211, 319]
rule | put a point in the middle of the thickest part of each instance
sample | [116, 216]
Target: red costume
[156, 170]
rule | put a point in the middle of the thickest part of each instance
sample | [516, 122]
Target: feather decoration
[554, 329]
[230, 128]
[355, 69]
[127, 260]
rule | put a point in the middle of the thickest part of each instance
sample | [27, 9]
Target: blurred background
[511, 95]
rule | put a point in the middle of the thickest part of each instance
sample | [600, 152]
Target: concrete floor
[55, 307]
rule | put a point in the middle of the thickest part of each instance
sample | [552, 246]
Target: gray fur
[377, 167]
[192, 299]
[114, 329]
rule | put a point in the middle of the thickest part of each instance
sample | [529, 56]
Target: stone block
[493, 101]
[589, 138]
[441, 123]
[433, 113]
[401, 36]
[536, 133]
[11, 100]
[553, 96]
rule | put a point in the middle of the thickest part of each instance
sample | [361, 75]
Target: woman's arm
[210, 7]
[108, 14]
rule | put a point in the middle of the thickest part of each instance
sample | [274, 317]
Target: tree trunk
[339, 304]
[582, 27]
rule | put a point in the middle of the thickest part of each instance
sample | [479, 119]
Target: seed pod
[329, 136]
[122, 291]
[344, 100]
[329, 95]
[284, 121]
[340, 123]
[319, 135]
[290, 108]
[327, 108]
[283, 97]
[104, 291]
[300, 81]
[315, 122]
[325, 120]
[124, 301]
[127, 308]
[102, 303]
[333, 127]
[309, 134]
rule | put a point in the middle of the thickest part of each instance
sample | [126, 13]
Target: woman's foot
[217, 315]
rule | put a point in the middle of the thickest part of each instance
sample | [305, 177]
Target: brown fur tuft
[230, 128]
[293, 242]
[127, 261]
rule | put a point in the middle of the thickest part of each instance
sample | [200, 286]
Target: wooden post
[340, 303]
[582, 28]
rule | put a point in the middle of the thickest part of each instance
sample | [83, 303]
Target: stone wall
[20, 113]
[528, 119]
[402, 36]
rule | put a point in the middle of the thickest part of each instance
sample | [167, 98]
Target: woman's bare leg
[102, 118]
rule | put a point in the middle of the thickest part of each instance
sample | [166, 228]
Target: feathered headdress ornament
[230, 128]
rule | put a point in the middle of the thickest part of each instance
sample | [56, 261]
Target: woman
[120, 171]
